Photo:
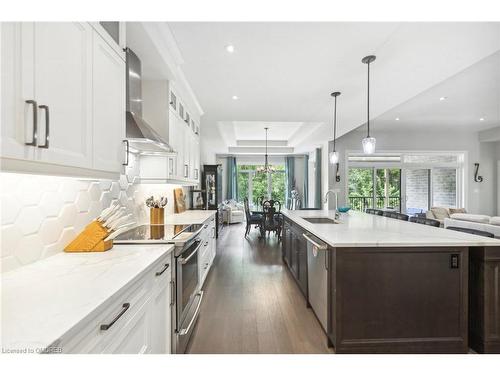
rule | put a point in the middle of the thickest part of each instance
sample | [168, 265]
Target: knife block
[91, 239]
[157, 216]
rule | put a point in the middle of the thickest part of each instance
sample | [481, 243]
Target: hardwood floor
[252, 304]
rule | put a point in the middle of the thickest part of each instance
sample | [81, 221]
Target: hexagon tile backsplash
[41, 214]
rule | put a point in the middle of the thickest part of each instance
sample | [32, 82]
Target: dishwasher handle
[319, 246]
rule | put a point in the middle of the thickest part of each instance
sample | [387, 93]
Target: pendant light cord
[335, 124]
[368, 102]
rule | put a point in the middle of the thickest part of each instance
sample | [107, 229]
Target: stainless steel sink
[320, 220]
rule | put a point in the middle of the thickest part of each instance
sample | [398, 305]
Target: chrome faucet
[335, 192]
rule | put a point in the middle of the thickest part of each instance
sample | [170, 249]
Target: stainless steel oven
[188, 295]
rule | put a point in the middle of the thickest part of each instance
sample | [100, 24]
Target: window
[444, 187]
[173, 100]
[411, 182]
[258, 186]
[181, 111]
[374, 188]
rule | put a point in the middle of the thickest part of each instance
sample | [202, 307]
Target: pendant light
[369, 142]
[267, 168]
[334, 155]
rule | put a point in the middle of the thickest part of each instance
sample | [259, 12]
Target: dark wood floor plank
[252, 304]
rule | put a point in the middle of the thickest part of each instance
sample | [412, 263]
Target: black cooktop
[168, 233]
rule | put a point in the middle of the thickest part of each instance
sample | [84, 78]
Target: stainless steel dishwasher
[317, 278]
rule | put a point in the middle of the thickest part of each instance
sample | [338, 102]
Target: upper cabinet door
[108, 80]
[63, 91]
[18, 111]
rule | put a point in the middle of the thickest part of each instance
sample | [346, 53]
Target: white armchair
[233, 212]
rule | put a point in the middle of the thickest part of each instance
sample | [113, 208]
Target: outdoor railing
[362, 203]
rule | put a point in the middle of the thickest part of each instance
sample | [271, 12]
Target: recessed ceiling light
[230, 48]
[442, 98]
[397, 119]
[481, 119]
[235, 97]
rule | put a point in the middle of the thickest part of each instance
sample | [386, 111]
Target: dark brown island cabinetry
[399, 300]
[294, 252]
[484, 299]
[389, 299]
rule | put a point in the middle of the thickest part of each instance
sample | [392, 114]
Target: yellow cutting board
[179, 200]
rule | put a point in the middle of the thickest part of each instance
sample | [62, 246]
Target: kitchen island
[392, 286]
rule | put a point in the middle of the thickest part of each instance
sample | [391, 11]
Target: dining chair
[252, 218]
[272, 221]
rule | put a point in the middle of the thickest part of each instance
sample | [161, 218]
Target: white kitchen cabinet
[135, 321]
[62, 75]
[161, 307]
[208, 249]
[61, 54]
[16, 115]
[108, 78]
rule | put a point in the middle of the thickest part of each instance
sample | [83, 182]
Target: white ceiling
[284, 72]
[470, 95]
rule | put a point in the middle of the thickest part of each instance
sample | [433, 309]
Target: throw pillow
[440, 213]
[457, 211]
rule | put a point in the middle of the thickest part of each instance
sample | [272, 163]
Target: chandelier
[266, 168]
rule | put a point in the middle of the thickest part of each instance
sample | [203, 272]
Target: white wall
[42, 214]
[480, 197]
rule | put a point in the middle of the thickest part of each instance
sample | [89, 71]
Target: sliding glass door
[260, 186]
[374, 188]
[430, 187]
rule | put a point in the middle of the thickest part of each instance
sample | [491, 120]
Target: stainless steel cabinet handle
[186, 330]
[319, 246]
[127, 149]
[47, 125]
[35, 123]
[186, 167]
[184, 261]
[125, 307]
[172, 292]
[159, 273]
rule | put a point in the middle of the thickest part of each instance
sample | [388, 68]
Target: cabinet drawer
[93, 337]
[162, 272]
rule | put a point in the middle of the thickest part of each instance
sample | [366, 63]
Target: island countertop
[358, 229]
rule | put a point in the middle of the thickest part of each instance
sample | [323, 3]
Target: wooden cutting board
[179, 201]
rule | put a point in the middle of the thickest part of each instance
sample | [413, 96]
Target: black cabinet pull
[47, 126]
[159, 273]
[125, 307]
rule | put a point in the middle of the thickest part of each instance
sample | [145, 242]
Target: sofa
[442, 213]
[233, 212]
[484, 223]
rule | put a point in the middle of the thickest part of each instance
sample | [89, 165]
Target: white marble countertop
[357, 229]
[45, 300]
[189, 217]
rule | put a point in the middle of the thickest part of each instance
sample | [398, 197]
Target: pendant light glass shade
[369, 144]
[334, 157]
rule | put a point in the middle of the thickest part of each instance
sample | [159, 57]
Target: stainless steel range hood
[141, 136]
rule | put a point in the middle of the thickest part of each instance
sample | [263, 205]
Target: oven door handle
[185, 260]
[186, 330]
